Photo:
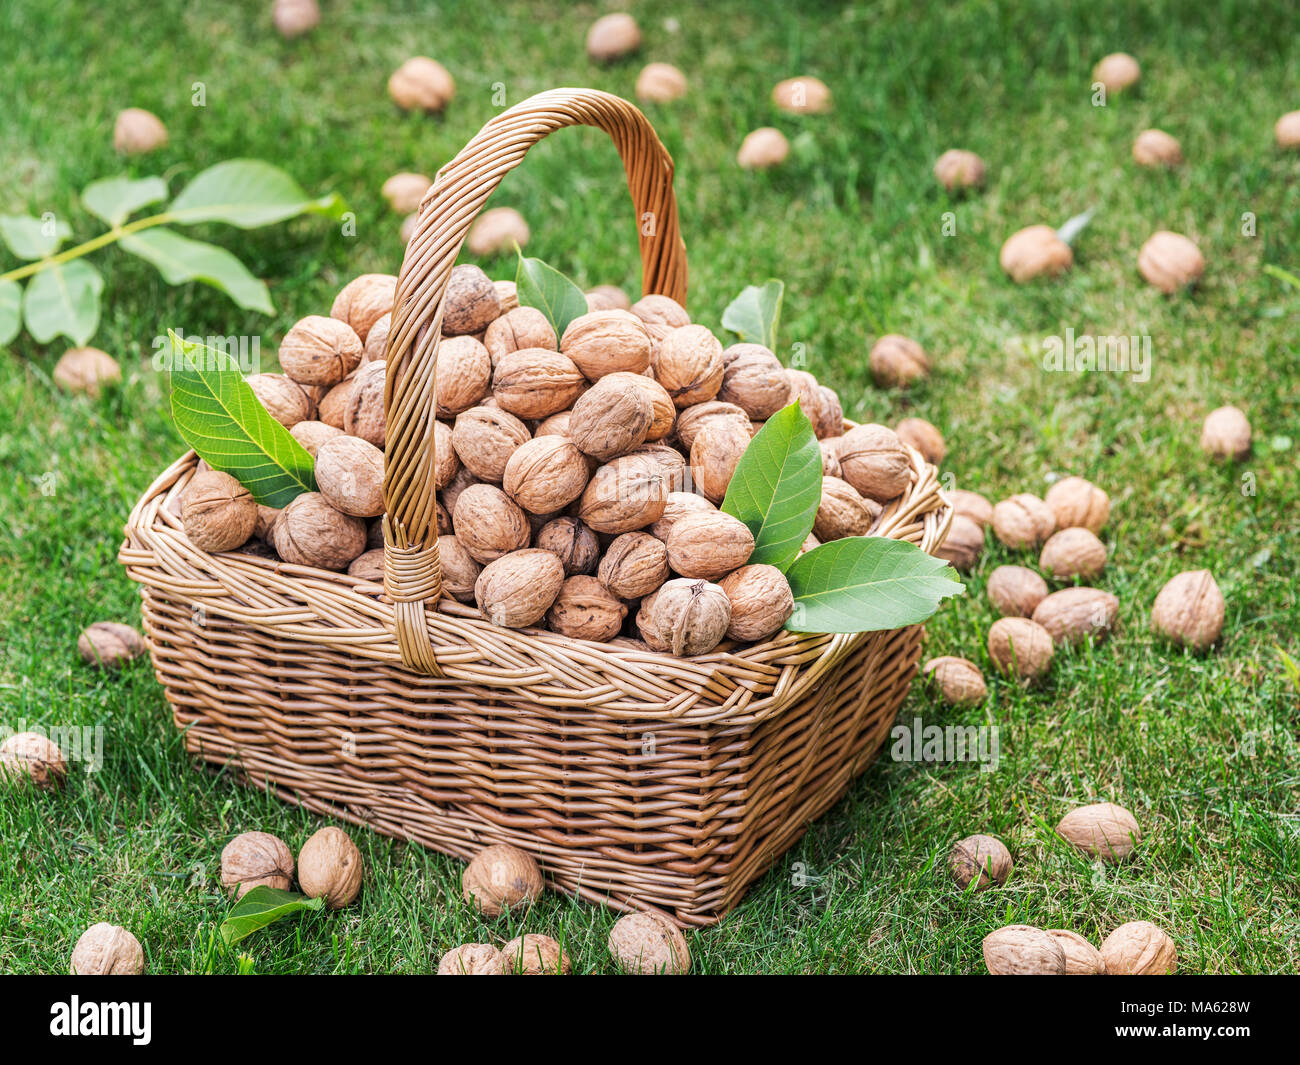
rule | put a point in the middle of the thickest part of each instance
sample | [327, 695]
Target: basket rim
[740, 684]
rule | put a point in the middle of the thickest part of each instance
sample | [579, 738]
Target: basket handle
[412, 574]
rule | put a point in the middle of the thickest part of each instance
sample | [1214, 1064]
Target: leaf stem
[103, 240]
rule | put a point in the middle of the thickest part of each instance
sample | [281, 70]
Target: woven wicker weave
[637, 780]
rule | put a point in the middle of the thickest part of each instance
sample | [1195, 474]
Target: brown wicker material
[637, 779]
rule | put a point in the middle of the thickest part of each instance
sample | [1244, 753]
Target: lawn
[1201, 748]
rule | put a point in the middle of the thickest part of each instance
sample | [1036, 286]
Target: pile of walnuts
[579, 476]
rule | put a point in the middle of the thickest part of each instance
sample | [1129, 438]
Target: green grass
[1202, 750]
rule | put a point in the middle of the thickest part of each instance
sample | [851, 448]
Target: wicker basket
[637, 780]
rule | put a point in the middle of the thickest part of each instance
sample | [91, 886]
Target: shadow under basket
[637, 780]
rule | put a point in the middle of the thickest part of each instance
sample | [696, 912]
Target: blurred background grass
[1203, 750]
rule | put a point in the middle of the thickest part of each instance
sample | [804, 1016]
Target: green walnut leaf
[542, 286]
[115, 199]
[63, 298]
[246, 193]
[263, 906]
[11, 310]
[777, 487]
[32, 238]
[180, 259]
[865, 584]
[755, 314]
[218, 415]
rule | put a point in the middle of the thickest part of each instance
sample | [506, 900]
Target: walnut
[762, 149]
[656, 309]
[1023, 520]
[1075, 614]
[488, 523]
[310, 532]
[1078, 503]
[626, 494]
[137, 131]
[1021, 648]
[607, 298]
[535, 383]
[350, 475]
[320, 351]
[1073, 553]
[843, 512]
[109, 643]
[1226, 434]
[1286, 131]
[501, 878]
[715, 454]
[484, 438]
[761, 602]
[283, 398]
[1033, 252]
[507, 294]
[755, 381]
[517, 589]
[830, 449]
[959, 169]
[804, 95]
[1101, 830]
[1081, 957]
[31, 756]
[668, 461]
[470, 304]
[463, 479]
[604, 342]
[635, 564]
[971, 505]
[368, 566]
[688, 363]
[496, 231]
[546, 474]
[1170, 261]
[1189, 610]
[405, 190]
[471, 959]
[686, 617]
[708, 544]
[459, 568]
[364, 300]
[534, 955]
[691, 420]
[311, 435]
[832, 412]
[612, 417]
[217, 512]
[612, 37]
[660, 83]
[1117, 71]
[677, 504]
[329, 867]
[86, 370]
[875, 462]
[522, 327]
[1155, 147]
[1139, 948]
[421, 84]
[255, 859]
[333, 406]
[1016, 591]
[364, 415]
[812, 401]
[586, 609]
[1021, 950]
[446, 461]
[663, 413]
[572, 543]
[896, 361]
[649, 944]
[464, 375]
[923, 436]
[959, 680]
[982, 859]
[963, 545]
[107, 950]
